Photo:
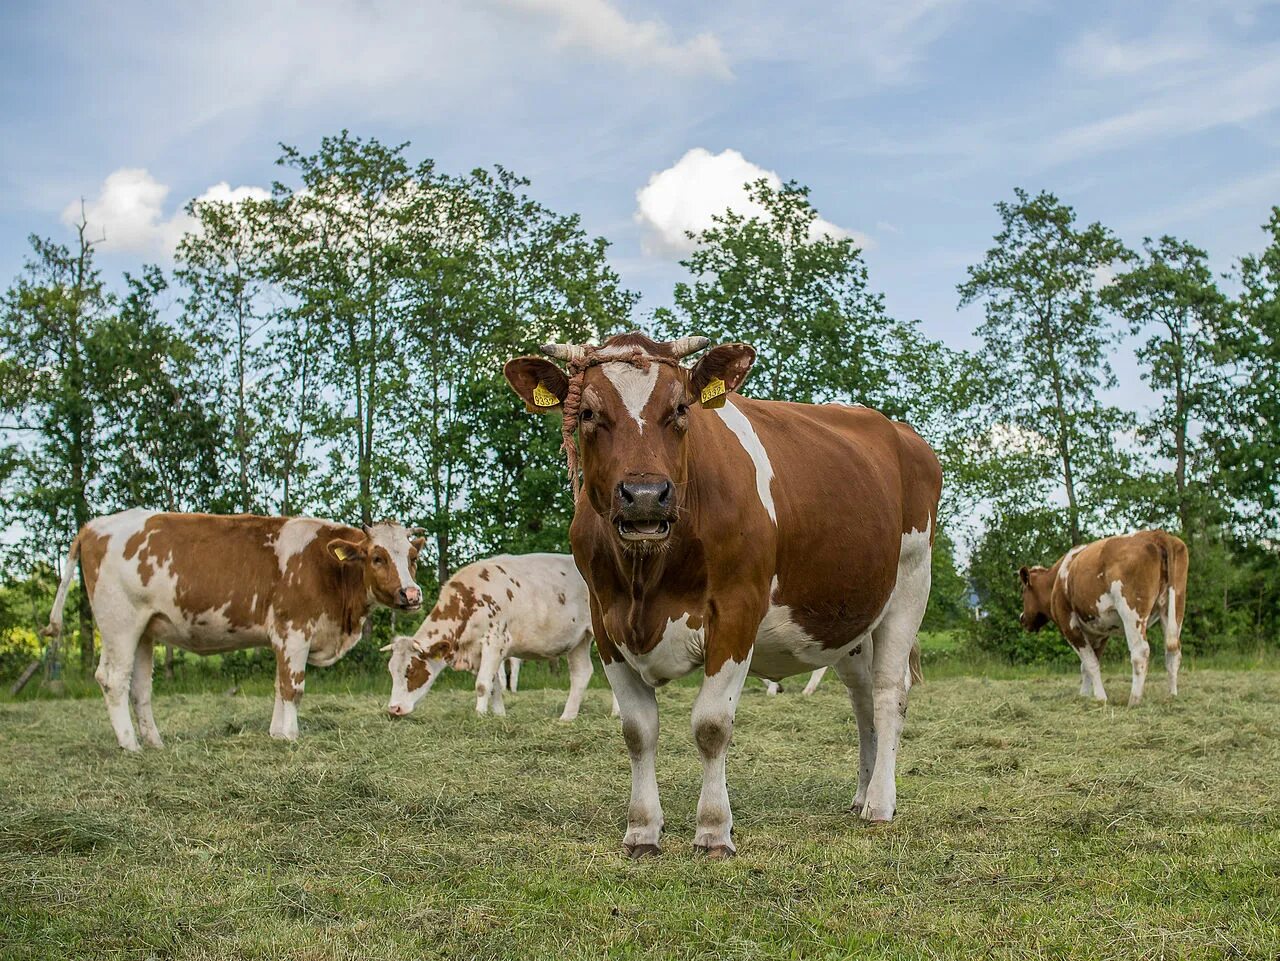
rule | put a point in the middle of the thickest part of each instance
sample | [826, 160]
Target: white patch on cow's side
[293, 537]
[737, 422]
[633, 385]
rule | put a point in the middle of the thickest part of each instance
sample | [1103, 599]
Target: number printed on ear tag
[544, 398]
[714, 395]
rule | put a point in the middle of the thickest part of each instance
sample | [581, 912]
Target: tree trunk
[168, 662]
[442, 557]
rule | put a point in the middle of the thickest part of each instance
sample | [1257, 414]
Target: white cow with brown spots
[527, 606]
[210, 584]
[1118, 585]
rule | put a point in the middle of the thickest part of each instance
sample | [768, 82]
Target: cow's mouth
[409, 608]
[644, 530]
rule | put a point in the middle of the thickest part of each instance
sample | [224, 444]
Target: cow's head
[1037, 588]
[415, 665]
[630, 402]
[388, 556]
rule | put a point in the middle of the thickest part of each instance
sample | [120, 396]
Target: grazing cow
[210, 583]
[737, 537]
[526, 605]
[1118, 585]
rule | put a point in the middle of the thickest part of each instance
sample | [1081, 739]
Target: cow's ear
[541, 384]
[418, 543]
[440, 651]
[1025, 575]
[346, 552]
[720, 372]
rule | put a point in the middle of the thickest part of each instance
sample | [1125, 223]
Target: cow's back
[1142, 565]
[212, 582]
[540, 599]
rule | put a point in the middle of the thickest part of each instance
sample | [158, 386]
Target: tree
[50, 361]
[1170, 295]
[223, 263]
[797, 294]
[1045, 342]
[340, 262]
[1248, 441]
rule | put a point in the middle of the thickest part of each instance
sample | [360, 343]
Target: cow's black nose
[646, 500]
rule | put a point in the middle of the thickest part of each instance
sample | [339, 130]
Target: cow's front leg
[639, 707]
[291, 678]
[713, 714]
[488, 683]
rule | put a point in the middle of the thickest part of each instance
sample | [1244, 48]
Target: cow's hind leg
[513, 674]
[892, 642]
[814, 680]
[1135, 632]
[120, 638]
[1172, 639]
[140, 691]
[291, 678]
[855, 670]
[580, 669]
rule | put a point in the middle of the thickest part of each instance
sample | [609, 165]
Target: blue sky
[908, 120]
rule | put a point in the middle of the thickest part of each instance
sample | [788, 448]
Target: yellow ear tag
[713, 395]
[340, 553]
[544, 398]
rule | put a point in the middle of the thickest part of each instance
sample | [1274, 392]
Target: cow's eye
[681, 410]
[379, 560]
[587, 414]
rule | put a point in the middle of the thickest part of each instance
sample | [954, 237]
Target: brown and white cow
[1118, 585]
[533, 606]
[738, 537]
[210, 583]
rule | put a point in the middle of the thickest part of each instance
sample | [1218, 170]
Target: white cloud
[128, 213]
[599, 27]
[698, 186]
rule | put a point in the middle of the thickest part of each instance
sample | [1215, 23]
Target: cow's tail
[54, 629]
[1173, 555]
[913, 663]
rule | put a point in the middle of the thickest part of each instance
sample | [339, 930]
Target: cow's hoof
[637, 851]
[716, 852]
[874, 815]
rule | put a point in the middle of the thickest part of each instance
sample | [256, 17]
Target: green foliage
[1009, 541]
[948, 595]
[1046, 342]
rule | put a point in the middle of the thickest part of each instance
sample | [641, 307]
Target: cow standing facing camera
[211, 583]
[736, 537]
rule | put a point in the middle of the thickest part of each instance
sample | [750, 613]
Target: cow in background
[211, 583]
[1118, 585]
[530, 606]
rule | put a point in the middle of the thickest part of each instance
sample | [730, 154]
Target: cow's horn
[688, 345]
[566, 352]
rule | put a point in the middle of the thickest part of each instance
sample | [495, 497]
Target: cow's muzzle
[398, 710]
[645, 511]
[409, 599]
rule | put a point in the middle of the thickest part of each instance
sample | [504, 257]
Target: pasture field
[1031, 824]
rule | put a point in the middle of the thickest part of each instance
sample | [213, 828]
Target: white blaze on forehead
[394, 539]
[294, 536]
[737, 422]
[634, 386]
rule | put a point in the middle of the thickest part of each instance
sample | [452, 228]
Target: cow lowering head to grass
[737, 536]
[1118, 585]
[526, 606]
[211, 583]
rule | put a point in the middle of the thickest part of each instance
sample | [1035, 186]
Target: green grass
[1031, 824]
